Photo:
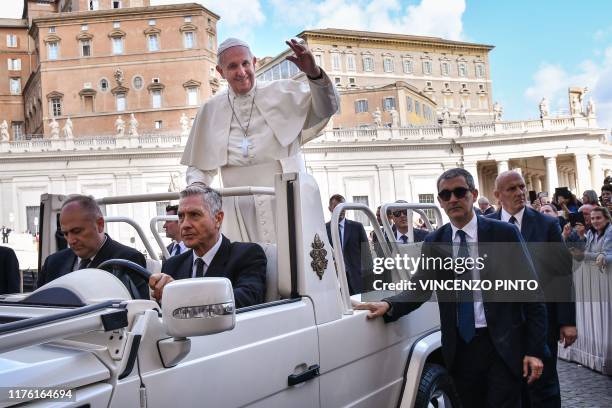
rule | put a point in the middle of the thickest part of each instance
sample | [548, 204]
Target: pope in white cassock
[254, 130]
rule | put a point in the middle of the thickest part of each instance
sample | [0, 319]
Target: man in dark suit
[487, 344]
[211, 254]
[82, 224]
[355, 249]
[484, 207]
[10, 281]
[553, 263]
[177, 246]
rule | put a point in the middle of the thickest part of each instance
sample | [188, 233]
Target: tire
[436, 389]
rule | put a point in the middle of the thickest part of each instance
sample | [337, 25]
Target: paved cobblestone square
[583, 387]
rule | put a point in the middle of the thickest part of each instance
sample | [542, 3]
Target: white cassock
[286, 114]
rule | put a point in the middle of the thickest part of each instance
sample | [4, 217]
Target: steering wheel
[122, 267]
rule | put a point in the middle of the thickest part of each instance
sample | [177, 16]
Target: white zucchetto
[229, 43]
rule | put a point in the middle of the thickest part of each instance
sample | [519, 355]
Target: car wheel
[436, 389]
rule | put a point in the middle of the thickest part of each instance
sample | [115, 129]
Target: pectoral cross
[245, 147]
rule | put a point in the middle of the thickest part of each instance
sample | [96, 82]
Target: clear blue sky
[541, 47]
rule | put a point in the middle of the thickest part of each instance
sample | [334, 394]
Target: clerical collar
[249, 94]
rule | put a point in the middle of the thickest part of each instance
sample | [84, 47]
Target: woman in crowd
[590, 197]
[599, 242]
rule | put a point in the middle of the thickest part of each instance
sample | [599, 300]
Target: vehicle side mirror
[198, 306]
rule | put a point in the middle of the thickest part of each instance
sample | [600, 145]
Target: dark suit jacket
[10, 280]
[516, 329]
[357, 256]
[62, 263]
[243, 263]
[553, 264]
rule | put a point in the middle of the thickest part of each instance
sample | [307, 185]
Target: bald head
[510, 191]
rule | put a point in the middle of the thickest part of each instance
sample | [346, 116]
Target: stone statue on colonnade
[377, 115]
[55, 128]
[68, 129]
[120, 127]
[4, 134]
[133, 132]
[544, 110]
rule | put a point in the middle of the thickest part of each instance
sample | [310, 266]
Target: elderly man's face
[83, 232]
[483, 205]
[199, 229]
[238, 68]
[511, 193]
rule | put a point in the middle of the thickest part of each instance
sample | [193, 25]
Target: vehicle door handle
[309, 374]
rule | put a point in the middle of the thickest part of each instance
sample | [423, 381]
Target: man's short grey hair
[210, 197]
[87, 203]
[483, 200]
[457, 172]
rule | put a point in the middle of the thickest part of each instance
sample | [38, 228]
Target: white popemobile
[83, 335]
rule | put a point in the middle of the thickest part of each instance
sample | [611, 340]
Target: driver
[82, 224]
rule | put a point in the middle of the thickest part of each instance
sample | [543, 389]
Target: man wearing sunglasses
[553, 263]
[401, 227]
[488, 346]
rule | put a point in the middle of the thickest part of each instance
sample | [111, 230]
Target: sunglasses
[400, 213]
[459, 192]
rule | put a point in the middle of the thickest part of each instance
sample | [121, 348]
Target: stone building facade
[451, 73]
[100, 59]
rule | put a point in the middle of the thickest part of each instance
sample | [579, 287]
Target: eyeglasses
[459, 192]
[400, 213]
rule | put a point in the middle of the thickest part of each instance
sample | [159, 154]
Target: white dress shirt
[182, 247]
[207, 257]
[398, 236]
[505, 217]
[471, 232]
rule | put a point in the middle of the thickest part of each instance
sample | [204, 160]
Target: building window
[211, 42]
[480, 70]
[338, 81]
[152, 22]
[407, 66]
[93, 5]
[192, 96]
[103, 85]
[448, 101]
[335, 61]
[284, 67]
[120, 101]
[445, 68]
[318, 60]
[188, 19]
[116, 24]
[14, 64]
[116, 4]
[428, 199]
[368, 64]
[417, 108]
[388, 64]
[361, 106]
[52, 50]
[409, 104]
[15, 85]
[85, 48]
[11, 40]
[117, 45]
[137, 82]
[156, 99]
[56, 106]
[153, 41]
[350, 63]
[465, 101]
[84, 27]
[188, 39]
[159, 124]
[389, 103]
[88, 101]
[483, 102]
[17, 130]
[352, 82]
[360, 216]
[51, 29]
[427, 67]
[462, 69]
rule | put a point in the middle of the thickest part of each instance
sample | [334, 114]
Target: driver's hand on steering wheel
[157, 281]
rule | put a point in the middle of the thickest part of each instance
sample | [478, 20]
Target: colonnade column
[552, 179]
[582, 173]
